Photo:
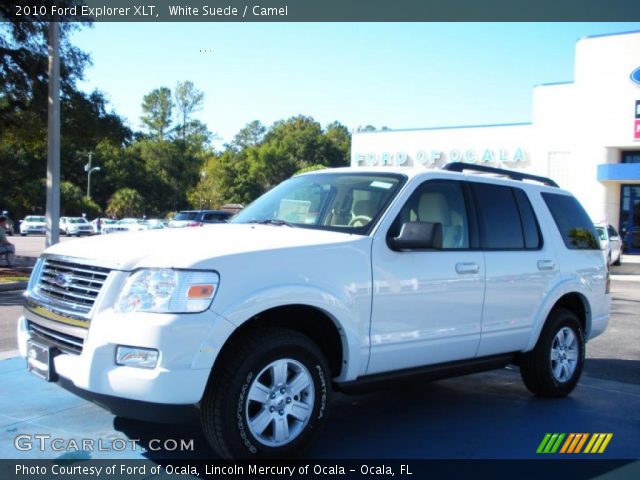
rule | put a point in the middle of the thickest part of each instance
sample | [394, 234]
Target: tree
[126, 202]
[157, 107]
[250, 135]
[188, 99]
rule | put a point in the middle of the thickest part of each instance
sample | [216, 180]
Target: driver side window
[438, 201]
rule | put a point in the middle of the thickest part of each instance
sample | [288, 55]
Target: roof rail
[461, 166]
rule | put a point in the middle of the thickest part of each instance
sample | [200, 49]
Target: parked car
[10, 227]
[342, 279]
[133, 224]
[75, 226]
[156, 223]
[611, 243]
[104, 222]
[33, 224]
[197, 218]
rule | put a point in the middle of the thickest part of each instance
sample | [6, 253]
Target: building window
[631, 157]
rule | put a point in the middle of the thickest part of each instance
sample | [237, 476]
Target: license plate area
[40, 360]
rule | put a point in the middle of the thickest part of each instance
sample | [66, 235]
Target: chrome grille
[71, 284]
[66, 343]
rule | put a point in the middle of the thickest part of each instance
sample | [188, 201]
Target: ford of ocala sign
[635, 76]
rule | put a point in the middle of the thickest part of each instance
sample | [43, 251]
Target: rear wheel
[268, 397]
[553, 367]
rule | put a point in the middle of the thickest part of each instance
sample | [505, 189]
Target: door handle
[546, 264]
[463, 268]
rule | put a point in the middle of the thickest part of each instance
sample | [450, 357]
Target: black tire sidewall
[240, 441]
[562, 318]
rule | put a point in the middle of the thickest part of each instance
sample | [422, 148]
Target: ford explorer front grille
[71, 285]
[65, 342]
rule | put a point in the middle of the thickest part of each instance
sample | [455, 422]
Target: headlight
[168, 291]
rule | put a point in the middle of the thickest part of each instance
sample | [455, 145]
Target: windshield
[601, 234]
[185, 216]
[77, 220]
[35, 219]
[344, 202]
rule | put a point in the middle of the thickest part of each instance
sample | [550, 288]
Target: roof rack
[461, 166]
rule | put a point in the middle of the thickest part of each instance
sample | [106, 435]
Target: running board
[428, 373]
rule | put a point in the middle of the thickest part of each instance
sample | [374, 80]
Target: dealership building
[584, 134]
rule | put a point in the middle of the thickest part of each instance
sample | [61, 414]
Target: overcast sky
[400, 75]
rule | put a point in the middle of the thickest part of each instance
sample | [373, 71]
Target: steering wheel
[359, 221]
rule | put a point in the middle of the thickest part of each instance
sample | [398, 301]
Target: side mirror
[418, 236]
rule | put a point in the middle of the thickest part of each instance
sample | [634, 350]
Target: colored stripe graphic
[597, 443]
[550, 443]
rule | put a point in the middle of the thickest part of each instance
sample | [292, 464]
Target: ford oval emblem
[635, 76]
[63, 280]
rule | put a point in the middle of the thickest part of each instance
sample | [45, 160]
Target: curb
[11, 286]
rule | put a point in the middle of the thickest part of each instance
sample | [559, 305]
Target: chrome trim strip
[73, 331]
[65, 308]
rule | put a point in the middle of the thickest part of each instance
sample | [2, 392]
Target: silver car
[611, 243]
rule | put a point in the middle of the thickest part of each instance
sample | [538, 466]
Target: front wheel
[268, 397]
[553, 367]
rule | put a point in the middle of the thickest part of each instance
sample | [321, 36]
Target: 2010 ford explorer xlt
[338, 279]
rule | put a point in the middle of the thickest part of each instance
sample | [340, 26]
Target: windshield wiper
[273, 221]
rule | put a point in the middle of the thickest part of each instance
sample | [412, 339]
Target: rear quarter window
[575, 226]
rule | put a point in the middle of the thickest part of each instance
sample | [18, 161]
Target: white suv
[338, 279]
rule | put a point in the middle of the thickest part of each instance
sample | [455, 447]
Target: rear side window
[499, 218]
[575, 226]
[530, 228]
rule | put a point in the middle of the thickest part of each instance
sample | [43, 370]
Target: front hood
[190, 247]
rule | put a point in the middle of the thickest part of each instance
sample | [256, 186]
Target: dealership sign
[438, 157]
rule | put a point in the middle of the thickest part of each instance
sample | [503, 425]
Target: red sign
[636, 130]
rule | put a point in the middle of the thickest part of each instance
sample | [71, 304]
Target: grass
[14, 278]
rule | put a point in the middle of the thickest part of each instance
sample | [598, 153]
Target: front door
[630, 218]
[427, 304]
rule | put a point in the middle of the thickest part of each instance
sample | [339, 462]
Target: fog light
[136, 357]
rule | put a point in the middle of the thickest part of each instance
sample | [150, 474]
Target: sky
[398, 75]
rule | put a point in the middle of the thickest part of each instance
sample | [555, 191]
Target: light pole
[90, 170]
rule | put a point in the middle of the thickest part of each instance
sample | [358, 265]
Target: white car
[75, 226]
[104, 223]
[341, 280]
[33, 225]
[611, 243]
[133, 224]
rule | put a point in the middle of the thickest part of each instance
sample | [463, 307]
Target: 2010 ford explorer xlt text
[338, 279]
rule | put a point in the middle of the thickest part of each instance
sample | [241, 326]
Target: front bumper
[188, 345]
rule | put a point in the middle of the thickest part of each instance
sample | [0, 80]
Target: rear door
[519, 266]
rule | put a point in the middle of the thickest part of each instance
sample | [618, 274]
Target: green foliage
[126, 202]
[157, 107]
[258, 159]
[171, 167]
[188, 99]
[312, 168]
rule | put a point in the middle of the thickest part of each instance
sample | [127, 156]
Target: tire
[562, 337]
[618, 261]
[243, 388]
[23, 234]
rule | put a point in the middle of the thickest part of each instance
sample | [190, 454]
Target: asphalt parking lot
[483, 416]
